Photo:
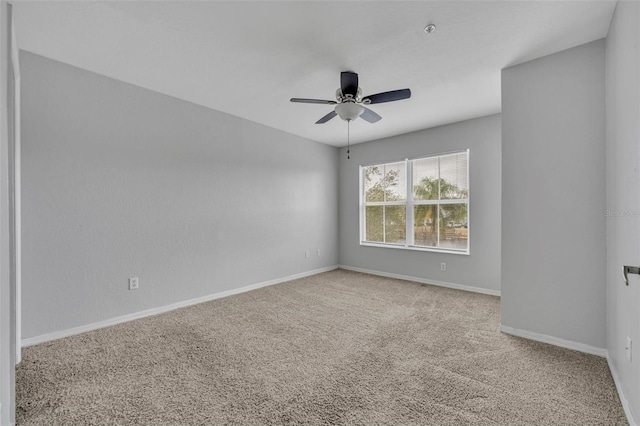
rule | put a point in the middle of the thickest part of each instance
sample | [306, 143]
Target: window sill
[415, 248]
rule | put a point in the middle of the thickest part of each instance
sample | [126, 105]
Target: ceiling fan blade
[327, 117]
[349, 83]
[312, 101]
[394, 95]
[370, 116]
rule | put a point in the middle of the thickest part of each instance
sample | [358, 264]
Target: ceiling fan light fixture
[349, 111]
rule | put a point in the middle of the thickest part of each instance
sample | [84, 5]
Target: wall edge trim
[47, 337]
[556, 341]
[623, 399]
[455, 286]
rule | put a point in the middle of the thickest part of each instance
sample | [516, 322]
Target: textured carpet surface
[335, 348]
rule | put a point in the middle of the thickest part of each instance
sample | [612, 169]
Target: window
[420, 204]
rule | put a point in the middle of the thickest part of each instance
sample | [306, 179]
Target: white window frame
[410, 203]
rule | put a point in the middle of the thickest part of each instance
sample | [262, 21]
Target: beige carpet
[336, 348]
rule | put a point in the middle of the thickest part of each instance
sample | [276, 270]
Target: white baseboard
[623, 399]
[155, 311]
[509, 330]
[569, 344]
[423, 280]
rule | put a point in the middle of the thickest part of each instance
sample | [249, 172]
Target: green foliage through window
[437, 208]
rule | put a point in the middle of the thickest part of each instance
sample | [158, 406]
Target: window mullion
[409, 205]
[363, 214]
[454, 201]
[438, 225]
[438, 208]
[384, 209]
[387, 203]
[384, 224]
[425, 202]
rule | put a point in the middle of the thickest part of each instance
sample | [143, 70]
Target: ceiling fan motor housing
[341, 97]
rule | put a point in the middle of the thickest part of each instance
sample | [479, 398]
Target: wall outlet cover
[133, 283]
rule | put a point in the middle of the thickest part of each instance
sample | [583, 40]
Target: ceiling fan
[350, 102]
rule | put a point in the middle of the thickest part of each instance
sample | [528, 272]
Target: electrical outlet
[443, 266]
[628, 348]
[306, 254]
[318, 252]
[133, 283]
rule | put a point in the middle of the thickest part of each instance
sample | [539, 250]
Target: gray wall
[481, 268]
[623, 201]
[553, 196]
[119, 181]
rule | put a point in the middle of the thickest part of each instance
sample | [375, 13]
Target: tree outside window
[431, 194]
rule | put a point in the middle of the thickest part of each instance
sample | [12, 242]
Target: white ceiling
[249, 58]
